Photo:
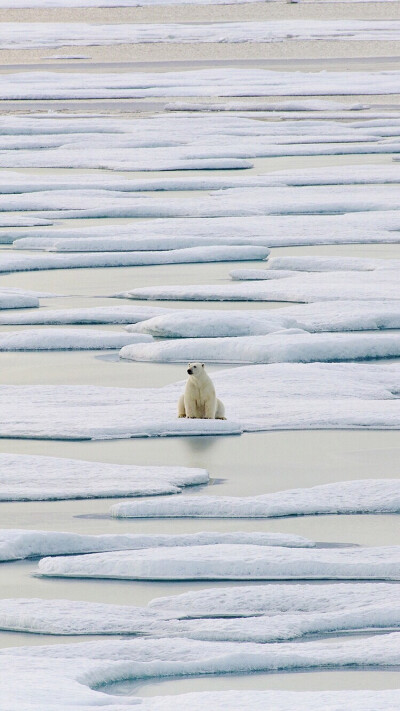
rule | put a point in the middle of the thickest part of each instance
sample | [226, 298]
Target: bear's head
[195, 369]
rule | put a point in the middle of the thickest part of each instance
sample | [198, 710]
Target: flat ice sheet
[297, 286]
[96, 314]
[19, 544]
[230, 562]
[37, 478]
[344, 497]
[204, 82]
[265, 230]
[20, 262]
[315, 609]
[282, 347]
[17, 299]
[17, 35]
[65, 339]
[61, 677]
[212, 323]
[259, 397]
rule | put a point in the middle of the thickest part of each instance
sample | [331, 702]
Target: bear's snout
[189, 371]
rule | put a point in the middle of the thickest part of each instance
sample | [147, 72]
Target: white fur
[199, 400]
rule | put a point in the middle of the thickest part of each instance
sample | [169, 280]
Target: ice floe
[231, 82]
[213, 323]
[242, 614]
[19, 544]
[19, 183]
[285, 346]
[17, 299]
[177, 233]
[36, 478]
[230, 562]
[223, 253]
[60, 339]
[17, 35]
[258, 397]
[61, 677]
[265, 285]
[344, 497]
[232, 202]
[109, 314]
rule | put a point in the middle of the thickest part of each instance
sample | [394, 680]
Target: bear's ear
[202, 365]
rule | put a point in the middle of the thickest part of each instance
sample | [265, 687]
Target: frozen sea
[353, 125]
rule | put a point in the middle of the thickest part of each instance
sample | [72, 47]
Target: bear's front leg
[181, 407]
[209, 411]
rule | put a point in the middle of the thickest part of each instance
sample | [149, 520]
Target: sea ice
[257, 397]
[32, 262]
[109, 314]
[64, 677]
[259, 285]
[60, 339]
[344, 497]
[17, 35]
[230, 562]
[284, 346]
[36, 478]
[208, 323]
[19, 544]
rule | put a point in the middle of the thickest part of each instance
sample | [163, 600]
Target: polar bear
[199, 400]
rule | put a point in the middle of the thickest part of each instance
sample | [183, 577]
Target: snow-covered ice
[212, 323]
[111, 314]
[31, 262]
[232, 82]
[344, 497]
[61, 677]
[291, 346]
[243, 614]
[60, 339]
[257, 397]
[230, 562]
[37, 478]
[260, 285]
[17, 299]
[19, 544]
[271, 230]
[17, 35]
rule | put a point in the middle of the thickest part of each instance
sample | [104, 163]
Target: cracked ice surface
[260, 397]
[345, 497]
[36, 478]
